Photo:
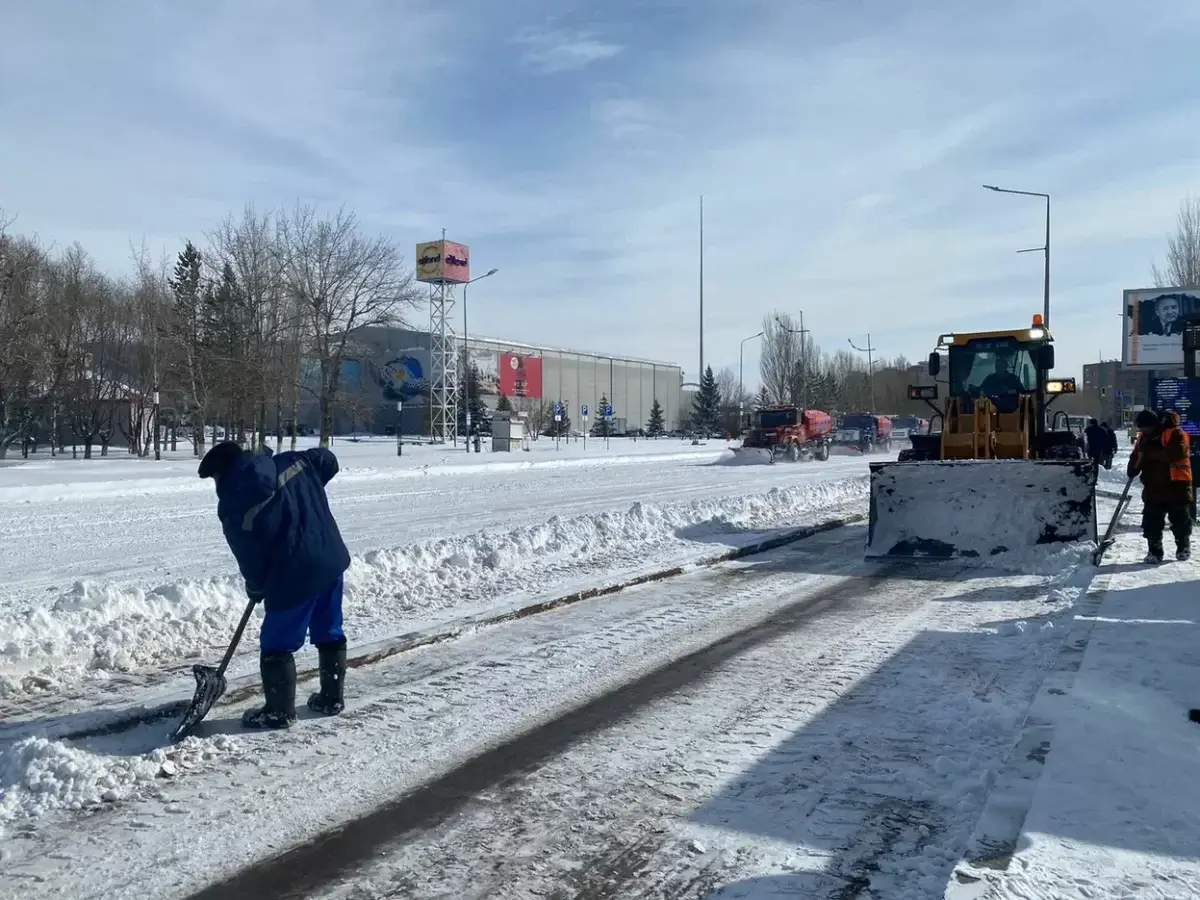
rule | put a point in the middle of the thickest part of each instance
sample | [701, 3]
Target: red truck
[789, 432]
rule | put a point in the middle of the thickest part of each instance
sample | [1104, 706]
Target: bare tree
[251, 248]
[779, 363]
[21, 262]
[343, 281]
[1182, 267]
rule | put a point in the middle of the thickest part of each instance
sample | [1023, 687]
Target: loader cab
[998, 396]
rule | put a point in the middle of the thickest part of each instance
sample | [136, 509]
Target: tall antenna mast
[700, 374]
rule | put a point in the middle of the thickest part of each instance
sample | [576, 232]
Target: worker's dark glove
[255, 595]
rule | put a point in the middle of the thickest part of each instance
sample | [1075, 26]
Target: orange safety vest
[1181, 470]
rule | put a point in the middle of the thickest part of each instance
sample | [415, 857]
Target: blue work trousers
[319, 617]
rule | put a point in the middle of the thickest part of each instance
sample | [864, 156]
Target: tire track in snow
[603, 820]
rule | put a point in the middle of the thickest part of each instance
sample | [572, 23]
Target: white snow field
[799, 723]
[113, 571]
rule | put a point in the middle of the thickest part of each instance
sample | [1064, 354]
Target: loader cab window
[998, 366]
[776, 418]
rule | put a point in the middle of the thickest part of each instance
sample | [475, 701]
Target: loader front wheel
[793, 453]
[822, 452]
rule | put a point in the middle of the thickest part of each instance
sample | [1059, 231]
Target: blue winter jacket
[277, 521]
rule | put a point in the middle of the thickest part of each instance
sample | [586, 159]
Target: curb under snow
[116, 721]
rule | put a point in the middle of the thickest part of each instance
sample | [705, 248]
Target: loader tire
[793, 453]
[822, 452]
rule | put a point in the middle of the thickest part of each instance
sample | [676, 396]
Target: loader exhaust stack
[978, 508]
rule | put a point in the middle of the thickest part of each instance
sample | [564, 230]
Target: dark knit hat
[1146, 418]
[217, 461]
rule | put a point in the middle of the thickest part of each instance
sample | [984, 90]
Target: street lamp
[1045, 249]
[870, 351]
[467, 361]
[741, 364]
[741, 361]
[802, 331]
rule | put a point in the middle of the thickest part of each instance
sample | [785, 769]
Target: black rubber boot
[330, 700]
[279, 690]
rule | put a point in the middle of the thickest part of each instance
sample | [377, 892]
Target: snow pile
[95, 629]
[979, 507]
[38, 776]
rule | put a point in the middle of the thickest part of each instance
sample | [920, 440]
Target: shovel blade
[210, 685]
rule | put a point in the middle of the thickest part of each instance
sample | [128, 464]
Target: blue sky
[840, 148]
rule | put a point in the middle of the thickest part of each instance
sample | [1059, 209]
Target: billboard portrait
[443, 262]
[521, 376]
[405, 376]
[1154, 319]
[487, 364]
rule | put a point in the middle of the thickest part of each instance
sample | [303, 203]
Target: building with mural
[394, 365]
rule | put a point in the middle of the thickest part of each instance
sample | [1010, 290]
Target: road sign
[608, 412]
[585, 413]
[558, 417]
[1119, 395]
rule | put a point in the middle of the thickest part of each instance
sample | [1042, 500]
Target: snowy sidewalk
[1116, 811]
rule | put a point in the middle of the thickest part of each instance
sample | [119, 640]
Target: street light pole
[870, 351]
[741, 361]
[803, 332]
[741, 365]
[467, 361]
[1045, 248]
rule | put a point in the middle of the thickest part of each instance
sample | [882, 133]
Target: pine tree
[654, 427]
[763, 399]
[706, 411]
[600, 429]
[504, 404]
[473, 400]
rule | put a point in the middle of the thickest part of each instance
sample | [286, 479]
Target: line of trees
[227, 338]
[793, 369]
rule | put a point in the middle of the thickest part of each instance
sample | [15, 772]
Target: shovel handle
[237, 639]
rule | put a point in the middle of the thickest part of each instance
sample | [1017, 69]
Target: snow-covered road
[110, 584]
[801, 711]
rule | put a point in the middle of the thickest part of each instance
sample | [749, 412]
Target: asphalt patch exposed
[337, 854]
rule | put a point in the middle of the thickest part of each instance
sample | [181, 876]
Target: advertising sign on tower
[443, 262]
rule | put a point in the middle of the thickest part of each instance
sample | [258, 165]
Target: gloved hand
[254, 594]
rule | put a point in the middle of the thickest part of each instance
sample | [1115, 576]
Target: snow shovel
[1108, 540]
[210, 684]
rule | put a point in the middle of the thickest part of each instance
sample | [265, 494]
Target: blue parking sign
[608, 412]
[585, 414]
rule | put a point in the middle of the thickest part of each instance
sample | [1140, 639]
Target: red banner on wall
[521, 376]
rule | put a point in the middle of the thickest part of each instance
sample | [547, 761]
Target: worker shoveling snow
[979, 507]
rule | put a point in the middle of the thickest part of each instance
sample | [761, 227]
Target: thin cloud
[550, 52]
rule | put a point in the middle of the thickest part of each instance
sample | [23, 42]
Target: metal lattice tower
[443, 362]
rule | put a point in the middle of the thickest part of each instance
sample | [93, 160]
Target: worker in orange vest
[1162, 457]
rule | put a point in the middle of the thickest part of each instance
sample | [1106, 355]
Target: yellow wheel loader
[1002, 473]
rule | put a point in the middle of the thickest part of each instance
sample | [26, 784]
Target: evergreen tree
[654, 427]
[600, 428]
[706, 411]
[763, 399]
[504, 404]
[469, 397]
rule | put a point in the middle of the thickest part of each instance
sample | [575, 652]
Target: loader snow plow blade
[978, 508]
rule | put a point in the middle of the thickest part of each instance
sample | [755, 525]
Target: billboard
[1153, 326]
[1177, 394]
[487, 364]
[521, 376]
[405, 375]
[443, 262]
